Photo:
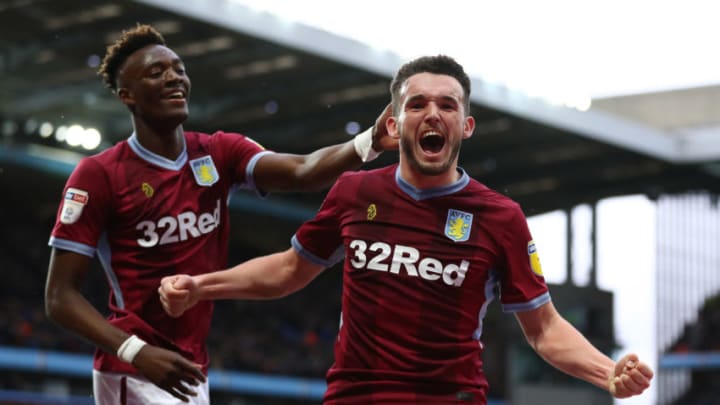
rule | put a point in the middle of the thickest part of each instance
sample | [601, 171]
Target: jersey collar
[422, 194]
[156, 159]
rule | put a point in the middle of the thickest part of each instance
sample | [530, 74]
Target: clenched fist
[177, 294]
[630, 377]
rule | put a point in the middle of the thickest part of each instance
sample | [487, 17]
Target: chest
[167, 204]
[444, 242]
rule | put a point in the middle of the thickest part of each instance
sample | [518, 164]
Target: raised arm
[317, 170]
[66, 306]
[265, 277]
[564, 347]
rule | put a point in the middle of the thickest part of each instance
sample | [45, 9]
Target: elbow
[309, 182]
[54, 306]
[536, 342]
[316, 175]
[280, 290]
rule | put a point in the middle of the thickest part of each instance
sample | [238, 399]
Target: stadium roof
[295, 88]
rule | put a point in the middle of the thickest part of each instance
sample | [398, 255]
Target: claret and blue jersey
[148, 217]
[420, 268]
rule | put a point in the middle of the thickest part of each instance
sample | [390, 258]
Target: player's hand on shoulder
[169, 371]
[630, 377]
[177, 294]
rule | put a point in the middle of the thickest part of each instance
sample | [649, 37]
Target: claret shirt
[148, 217]
[420, 268]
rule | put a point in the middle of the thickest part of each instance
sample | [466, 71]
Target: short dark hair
[440, 64]
[130, 41]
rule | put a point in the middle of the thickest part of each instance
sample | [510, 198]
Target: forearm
[314, 171]
[70, 310]
[265, 277]
[323, 166]
[562, 346]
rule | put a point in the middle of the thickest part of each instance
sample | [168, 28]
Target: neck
[424, 181]
[166, 142]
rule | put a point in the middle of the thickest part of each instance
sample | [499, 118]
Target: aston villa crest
[204, 170]
[457, 225]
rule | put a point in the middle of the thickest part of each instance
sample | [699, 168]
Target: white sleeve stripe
[529, 305]
[76, 247]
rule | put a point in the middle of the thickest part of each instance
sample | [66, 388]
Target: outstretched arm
[265, 277]
[66, 306]
[564, 347]
[317, 170]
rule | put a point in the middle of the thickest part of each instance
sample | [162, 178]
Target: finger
[630, 385]
[613, 386]
[189, 374]
[645, 370]
[185, 389]
[182, 282]
[177, 394]
[173, 310]
[177, 295]
[162, 293]
[192, 371]
[197, 372]
[171, 292]
[639, 378]
[164, 288]
[168, 281]
[166, 303]
[628, 361]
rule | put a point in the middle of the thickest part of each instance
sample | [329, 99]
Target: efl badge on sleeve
[73, 204]
[204, 170]
[457, 225]
[534, 259]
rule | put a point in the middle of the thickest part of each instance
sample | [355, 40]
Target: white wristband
[363, 145]
[130, 348]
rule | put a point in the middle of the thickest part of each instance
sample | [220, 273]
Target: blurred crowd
[292, 336]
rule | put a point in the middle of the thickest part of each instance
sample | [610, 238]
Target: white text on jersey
[178, 229]
[392, 258]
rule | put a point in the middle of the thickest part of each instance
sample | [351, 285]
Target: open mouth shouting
[432, 142]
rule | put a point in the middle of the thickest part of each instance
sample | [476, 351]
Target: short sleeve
[239, 155]
[83, 211]
[522, 285]
[320, 239]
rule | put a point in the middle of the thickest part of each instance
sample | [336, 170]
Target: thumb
[168, 280]
[182, 282]
[628, 362]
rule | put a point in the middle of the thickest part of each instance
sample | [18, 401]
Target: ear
[392, 127]
[469, 127]
[126, 96]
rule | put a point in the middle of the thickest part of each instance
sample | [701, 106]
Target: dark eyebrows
[454, 100]
[161, 63]
[419, 97]
[414, 98]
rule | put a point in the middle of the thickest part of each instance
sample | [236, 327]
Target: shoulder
[221, 140]
[496, 202]
[217, 136]
[105, 159]
[375, 176]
